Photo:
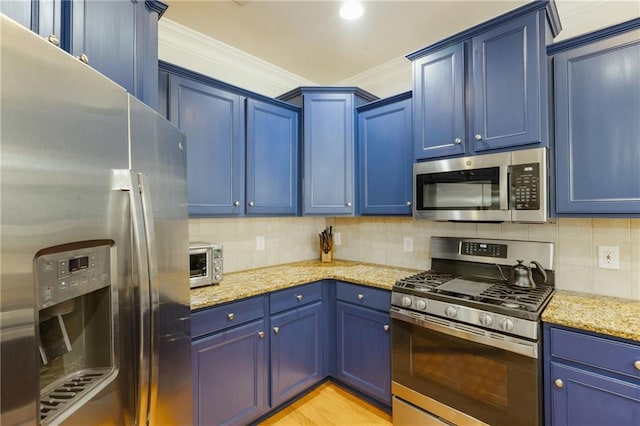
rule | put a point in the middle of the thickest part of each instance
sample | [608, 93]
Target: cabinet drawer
[224, 316]
[365, 296]
[596, 351]
[295, 296]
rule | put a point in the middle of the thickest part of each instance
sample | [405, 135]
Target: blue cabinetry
[363, 348]
[597, 105]
[590, 379]
[117, 38]
[385, 156]
[485, 88]
[328, 147]
[230, 363]
[242, 148]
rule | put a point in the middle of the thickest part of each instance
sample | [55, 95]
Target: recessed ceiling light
[351, 10]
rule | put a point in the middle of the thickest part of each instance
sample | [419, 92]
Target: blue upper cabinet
[213, 121]
[485, 88]
[272, 159]
[328, 147]
[385, 156]
[597, 110]
[119, 38]
[439, 103]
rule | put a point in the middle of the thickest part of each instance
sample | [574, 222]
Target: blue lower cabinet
[364, 350]
[230, 375]
[296, 351]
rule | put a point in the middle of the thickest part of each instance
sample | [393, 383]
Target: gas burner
[512, 305]
[425, 281]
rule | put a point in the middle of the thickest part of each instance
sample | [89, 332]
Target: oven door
[200, 267]
[465, 375]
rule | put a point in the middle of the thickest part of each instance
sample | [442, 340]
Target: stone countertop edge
[611, 316]
[254, 282]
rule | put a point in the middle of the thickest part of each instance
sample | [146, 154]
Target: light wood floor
[329, 404]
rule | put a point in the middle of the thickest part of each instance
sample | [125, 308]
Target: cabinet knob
[261, 334]
[360, 296]
[559, 383]
[299, 297]
[408, 204]
[276, 330]
[251, 203]
[478, 137]
[349, 204]
[457, 141]
[231, 317]
[636, 364]
[236, 203]
[53, 39]
[84, 58]
[180, 146]
[386, 327]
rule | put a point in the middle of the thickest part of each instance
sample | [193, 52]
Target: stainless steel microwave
[503, 187]
[205, 264]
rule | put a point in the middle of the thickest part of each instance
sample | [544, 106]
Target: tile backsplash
[382, 241]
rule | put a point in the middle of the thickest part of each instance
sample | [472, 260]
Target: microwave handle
[505, 177]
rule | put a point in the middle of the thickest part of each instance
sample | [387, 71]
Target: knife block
[326, 257]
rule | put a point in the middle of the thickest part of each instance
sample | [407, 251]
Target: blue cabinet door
[213, 121]
[580, 397]
[230, 376]
[272, 159]
[328, 153]
[21, 11]
[296, 351]
[597, 105]
[364, 350]
[439, 125]
[506, 85]
[385, 159]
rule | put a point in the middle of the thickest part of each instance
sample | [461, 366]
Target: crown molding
[390, 77]
[193, 50]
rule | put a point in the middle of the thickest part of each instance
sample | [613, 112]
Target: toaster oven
[205, 264]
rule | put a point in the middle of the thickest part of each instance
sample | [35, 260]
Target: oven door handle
[466, 332]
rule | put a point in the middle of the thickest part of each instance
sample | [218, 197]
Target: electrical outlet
[260, 243]
[337, 239]
[408, 244]
[608, 257]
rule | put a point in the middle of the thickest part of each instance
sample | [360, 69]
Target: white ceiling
[308, 38]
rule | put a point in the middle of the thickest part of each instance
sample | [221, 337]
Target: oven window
[490, 384]
[477, 189]
[198, 265]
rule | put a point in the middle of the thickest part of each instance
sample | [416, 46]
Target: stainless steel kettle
[522, 277]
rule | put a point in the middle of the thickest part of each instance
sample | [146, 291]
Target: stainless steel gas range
[466, 334]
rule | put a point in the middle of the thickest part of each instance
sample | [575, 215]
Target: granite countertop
[601, 314]
[238, 285]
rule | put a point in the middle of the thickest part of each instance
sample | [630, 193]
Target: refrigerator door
[64, 131]
[158, 153]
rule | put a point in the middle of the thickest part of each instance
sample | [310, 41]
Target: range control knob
[405, 301]
[506, 324]
[451, 312]
[421, 304]
[486, 320]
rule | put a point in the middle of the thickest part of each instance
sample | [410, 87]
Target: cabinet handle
[299, 297]
[349, 204]
[231, 317]
[559, 383]
[360, 296]
[84, 58]
[261, 334]
[386, 327]
[53, 39]
[236, 203]
[250, 203]
[276, 330]
[408, 204]
[457, 141]
[636, 364]
[478, 137]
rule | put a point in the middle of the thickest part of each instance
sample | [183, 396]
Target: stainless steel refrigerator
[94, 290]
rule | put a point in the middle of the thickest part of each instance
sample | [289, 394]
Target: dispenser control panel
[65, 274]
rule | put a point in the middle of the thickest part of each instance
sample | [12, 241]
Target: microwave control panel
[525, 186]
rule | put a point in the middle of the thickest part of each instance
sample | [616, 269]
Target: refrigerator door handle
[144, 252]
